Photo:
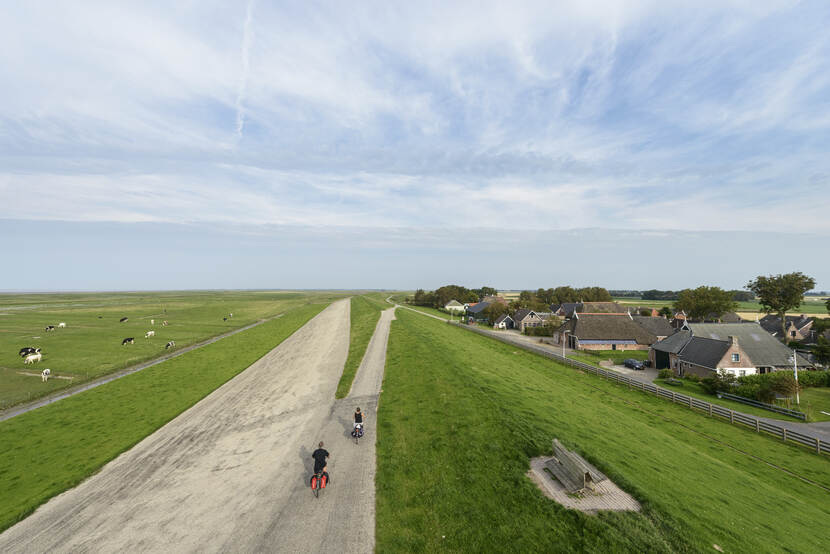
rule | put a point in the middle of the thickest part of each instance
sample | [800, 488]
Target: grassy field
[463, 414]
[365, 313]
[811, 305]
[53, 448]
[691, 388]
[90, 345]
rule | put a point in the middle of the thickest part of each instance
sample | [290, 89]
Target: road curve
[231, 473]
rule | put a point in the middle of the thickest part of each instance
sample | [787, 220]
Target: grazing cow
[149, 334]
[62, 325]
[44, 375]
[28, 350]
[50, 328]
[164, 323]
[152, 322]
[230, 315]
[128, 340]
[123, 319]
[32, 358]
[170, 344]
[224, 319]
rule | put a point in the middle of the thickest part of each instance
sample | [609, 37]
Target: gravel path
[231, 473]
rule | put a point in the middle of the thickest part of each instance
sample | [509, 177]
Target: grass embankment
[90, 345]
[435, 312]
[53, 448]
[364, 316]
[463, 414]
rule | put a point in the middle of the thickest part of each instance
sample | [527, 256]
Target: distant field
[463, 414]
[811, 306]
[90, 345]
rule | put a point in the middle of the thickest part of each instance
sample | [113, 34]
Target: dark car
[633, 364]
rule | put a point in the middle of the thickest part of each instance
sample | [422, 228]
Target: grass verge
[462, 415]
[53, 448]
[364, 316]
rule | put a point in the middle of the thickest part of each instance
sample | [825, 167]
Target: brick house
[798, 327]
[523, 319]
[609, 331]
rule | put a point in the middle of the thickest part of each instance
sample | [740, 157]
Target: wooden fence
[713, 410]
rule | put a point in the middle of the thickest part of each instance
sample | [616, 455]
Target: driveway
[231, 473]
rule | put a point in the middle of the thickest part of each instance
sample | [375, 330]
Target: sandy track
[231, 473]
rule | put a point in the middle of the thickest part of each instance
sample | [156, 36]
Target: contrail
[247, 39]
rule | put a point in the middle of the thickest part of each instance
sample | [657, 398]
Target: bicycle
[318, 482]
[358, 432]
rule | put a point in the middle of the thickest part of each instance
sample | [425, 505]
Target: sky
[259, 144]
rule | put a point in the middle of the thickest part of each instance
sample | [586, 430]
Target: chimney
[733, 340]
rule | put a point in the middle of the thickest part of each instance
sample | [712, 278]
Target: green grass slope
[53, 448]
[365, 313]
[462, 415]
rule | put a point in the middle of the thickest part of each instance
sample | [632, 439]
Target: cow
[28, 350]
[128, 340]
[230, 314]
[224, 319]
[50, 328]
[62, 325]
[164, 323]
[44, 375]
[149, 334]
[170, 344]
[123, 319]
[32, 358]
[152, 322]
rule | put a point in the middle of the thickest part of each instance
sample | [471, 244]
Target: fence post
[644, 386]
[731, 416]
[757, 425]
[690, 403]
[818, 445]
[673, 394]
[710, 409]
[784, 434]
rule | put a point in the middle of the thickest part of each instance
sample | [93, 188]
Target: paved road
[66, 393]
[231, 473]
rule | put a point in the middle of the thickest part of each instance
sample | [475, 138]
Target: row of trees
[439, 297]
[735, 295]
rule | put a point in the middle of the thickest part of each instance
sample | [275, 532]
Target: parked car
[633, 364]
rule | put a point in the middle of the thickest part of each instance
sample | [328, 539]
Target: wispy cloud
[247, 41]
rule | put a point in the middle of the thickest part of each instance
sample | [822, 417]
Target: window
[742, 372]
[792, 333]
[736, 357]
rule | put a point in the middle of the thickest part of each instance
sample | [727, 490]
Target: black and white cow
[44, 375]
[123, 319]
[50, 328]
[128, 340]
[169, 345]
[28, 350]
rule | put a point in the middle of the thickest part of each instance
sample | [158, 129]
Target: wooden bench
[570, 469]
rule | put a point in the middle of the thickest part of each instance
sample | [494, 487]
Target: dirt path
[231, 473]
[97, 382]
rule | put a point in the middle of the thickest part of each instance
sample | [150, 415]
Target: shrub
[665, 374]
[693, 378]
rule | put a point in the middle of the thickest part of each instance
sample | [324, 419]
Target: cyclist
[358, 420]
[320, 456]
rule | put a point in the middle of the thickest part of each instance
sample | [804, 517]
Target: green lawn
[90, 345]
[365, 313]
[814, 401]
[434, 311]
[53, 448]
[690, 388]
[462, 415]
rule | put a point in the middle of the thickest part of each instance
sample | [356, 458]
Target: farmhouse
[504, 322]
[568, 309]
[526, 318]
[475, 312]
[798, 327]
[737, 348]
[657, 326]
[611, 331]
[454, 306]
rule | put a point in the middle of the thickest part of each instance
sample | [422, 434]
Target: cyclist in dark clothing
[358, 420]
[320, 455]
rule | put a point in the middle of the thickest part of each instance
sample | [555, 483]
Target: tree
[821, 351]
[594, 294]
[781, 293]
[742, 296]
[666, 312]
[494, 311]
[485, 291]
[703, 302]
[561, 295]
[828, 305]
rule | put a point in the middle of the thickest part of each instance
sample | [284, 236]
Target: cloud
[247, 40]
